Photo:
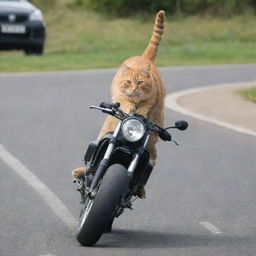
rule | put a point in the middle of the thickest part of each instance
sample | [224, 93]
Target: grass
[250, 94]
[82, 39]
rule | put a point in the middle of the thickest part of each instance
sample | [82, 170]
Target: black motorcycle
[117, 167]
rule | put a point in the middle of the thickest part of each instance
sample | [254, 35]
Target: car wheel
[38, 50]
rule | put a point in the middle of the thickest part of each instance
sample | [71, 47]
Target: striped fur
[151, 50]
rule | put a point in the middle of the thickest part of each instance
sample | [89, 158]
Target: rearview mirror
[181, 125]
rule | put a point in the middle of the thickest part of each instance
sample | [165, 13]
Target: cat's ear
[124, 68]
[146, 70]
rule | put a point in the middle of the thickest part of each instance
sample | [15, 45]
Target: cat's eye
[128, 82]
[140, 82]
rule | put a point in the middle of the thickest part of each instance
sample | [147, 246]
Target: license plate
[13, 29]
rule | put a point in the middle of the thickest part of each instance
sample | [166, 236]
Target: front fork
[104, 164]
[136, 157]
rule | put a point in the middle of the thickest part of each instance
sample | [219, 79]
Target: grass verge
[82, 39]
[249, 94]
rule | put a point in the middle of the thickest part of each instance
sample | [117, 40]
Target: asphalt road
[201, 197]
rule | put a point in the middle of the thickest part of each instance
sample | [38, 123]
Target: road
[200, 198]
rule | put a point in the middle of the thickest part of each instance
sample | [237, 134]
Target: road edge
[114, 69]
[171, 102]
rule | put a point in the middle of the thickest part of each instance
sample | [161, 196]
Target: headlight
[133, 129]
[36, 16]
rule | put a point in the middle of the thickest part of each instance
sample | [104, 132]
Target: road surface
[201, 197]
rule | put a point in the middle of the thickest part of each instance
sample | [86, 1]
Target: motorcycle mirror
[181, 125]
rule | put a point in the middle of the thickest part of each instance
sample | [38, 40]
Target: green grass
[82, 39]
[250, 94]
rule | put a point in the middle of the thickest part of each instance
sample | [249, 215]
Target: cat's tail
[151, 50]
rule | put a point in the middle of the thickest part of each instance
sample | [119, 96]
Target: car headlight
[36, 16]
[133, 129]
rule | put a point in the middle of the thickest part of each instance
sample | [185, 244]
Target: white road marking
[48, 196]
[210, 227]
[171, 103]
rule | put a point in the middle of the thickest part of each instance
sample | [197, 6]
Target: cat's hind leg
[152, 148]
[141, 192]
[79, 173]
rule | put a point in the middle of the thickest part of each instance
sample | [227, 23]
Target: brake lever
[176, 143]
[104, 110]
[96, 107]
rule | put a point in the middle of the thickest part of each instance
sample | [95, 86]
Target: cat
[138, 87]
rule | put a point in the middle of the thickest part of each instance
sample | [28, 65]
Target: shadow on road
[148, 239]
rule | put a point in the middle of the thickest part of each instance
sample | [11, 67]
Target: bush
[124, 7]
[178, 7]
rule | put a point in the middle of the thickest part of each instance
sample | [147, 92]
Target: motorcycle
[117, 167]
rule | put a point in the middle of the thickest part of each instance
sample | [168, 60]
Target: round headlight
[36, 16]
[133, 129]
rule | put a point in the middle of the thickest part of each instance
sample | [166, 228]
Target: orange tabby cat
[138, 87]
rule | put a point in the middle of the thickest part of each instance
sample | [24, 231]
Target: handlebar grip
[106, 105]
[115, 105]
[164, 135]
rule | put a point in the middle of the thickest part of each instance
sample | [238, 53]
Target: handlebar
[114, 110]
[110, 105]
[163, 133]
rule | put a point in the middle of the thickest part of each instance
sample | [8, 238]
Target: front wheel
[99, 212]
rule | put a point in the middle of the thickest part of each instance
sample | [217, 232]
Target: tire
[99, 213]
[108, 228]
[27, 51]
[36, 50]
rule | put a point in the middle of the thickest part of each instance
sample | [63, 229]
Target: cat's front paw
[79, 173]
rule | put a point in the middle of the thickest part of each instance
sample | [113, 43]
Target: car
[22, 26]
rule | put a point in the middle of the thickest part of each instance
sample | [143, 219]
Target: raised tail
[151, 50]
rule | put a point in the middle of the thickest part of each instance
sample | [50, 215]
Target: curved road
[201, 198]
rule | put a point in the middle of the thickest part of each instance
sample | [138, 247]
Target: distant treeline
[223, 8]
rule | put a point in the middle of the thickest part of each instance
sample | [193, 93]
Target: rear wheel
[98, 214]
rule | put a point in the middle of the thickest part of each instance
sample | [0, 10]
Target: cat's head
[135, 81]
